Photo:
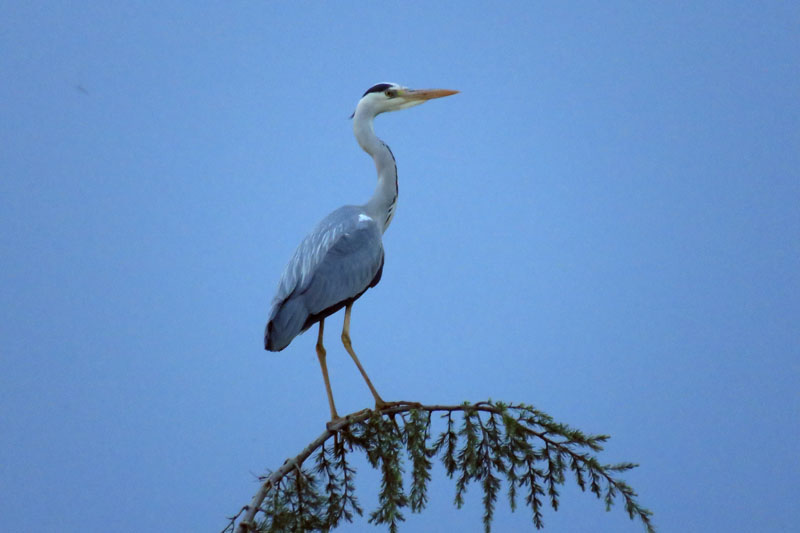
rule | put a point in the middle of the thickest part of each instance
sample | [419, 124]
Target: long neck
[384, 200]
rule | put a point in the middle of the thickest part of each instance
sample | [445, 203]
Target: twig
[549, 430]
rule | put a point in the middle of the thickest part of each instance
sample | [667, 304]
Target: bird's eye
[390, 93]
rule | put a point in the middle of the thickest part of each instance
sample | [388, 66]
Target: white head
[393, 97]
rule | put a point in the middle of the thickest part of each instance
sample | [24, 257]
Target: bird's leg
[321, 356]
[349, 347]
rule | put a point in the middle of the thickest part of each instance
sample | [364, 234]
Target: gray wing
[334, 264]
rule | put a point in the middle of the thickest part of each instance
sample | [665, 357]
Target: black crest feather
[379, 88]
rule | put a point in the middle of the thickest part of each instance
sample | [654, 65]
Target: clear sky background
[605, 223]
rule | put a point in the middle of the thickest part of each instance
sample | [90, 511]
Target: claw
[331, 425]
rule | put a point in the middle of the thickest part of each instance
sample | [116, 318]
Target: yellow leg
[321, 356]
[349, 347]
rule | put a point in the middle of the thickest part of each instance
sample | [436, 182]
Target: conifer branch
[493, 440]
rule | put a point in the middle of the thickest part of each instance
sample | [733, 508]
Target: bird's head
[393, 97]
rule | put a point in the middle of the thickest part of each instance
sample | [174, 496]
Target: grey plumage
[333, 266]
[343, 256]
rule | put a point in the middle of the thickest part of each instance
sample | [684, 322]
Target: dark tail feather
[285, 323]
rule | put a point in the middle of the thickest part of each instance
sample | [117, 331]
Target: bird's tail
[286, 320]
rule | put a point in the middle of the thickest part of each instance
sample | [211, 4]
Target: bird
[343, 256]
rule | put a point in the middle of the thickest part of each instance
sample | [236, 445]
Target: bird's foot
[338, 422]
[334, 423]
[384, 405]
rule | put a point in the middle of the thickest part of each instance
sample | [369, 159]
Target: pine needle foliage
[489, 444]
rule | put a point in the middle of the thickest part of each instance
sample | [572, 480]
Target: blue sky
[603, 223]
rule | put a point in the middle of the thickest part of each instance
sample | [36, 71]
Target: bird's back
[333, 265]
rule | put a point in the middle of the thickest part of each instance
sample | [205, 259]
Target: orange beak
[424, 95]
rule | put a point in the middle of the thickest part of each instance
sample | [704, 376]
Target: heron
[342, 257]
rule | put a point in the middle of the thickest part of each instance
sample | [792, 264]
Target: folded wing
[339, 260]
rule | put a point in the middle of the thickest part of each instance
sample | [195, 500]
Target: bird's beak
[423, 95]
